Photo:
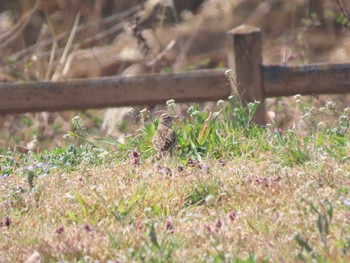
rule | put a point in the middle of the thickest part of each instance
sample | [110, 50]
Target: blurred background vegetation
[57, 40]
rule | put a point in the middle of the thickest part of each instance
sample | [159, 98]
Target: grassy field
[231, 192]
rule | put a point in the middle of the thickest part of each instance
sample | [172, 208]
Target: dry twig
[10, 36]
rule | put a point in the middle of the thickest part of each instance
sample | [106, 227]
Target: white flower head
[195, 113]
[131, 111]
[170, 102]
[215, 114]
[228, 72]
[330, 105]
[321, 125]
[220, 103]
[297, 97]
[144, 113]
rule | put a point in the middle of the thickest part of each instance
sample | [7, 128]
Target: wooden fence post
[245, 58]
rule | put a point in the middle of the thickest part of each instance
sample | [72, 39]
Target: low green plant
[323, 222]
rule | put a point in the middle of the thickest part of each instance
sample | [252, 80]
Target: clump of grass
[202, 133]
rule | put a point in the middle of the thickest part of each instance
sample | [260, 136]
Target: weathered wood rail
[201, 85]
[314, 79]
[256, 81]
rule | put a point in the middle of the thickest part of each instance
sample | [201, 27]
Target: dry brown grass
[246, 206]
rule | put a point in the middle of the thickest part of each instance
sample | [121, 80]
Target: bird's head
[166, 119]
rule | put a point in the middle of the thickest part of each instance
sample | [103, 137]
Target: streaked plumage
[164, 137]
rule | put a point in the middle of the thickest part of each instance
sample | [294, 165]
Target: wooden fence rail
[312, 79]
[255, 82]
[201, 85]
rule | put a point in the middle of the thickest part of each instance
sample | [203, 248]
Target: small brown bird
[164, 138]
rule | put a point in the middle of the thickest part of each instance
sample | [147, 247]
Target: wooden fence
[255, 82]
